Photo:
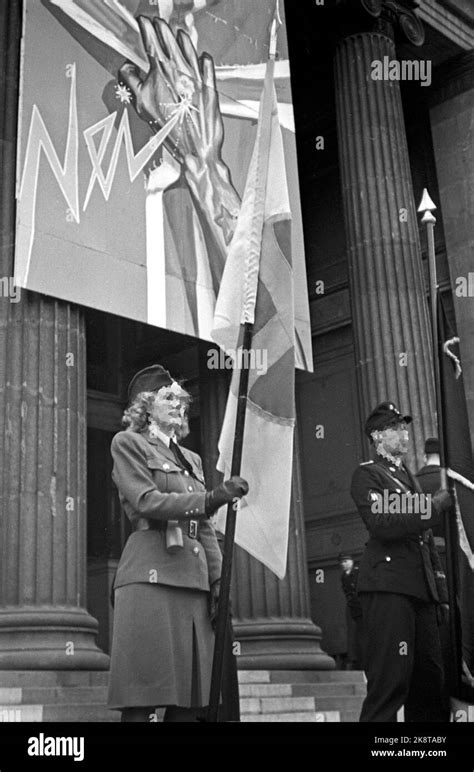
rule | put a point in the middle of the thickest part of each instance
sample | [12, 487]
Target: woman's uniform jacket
[154, 488]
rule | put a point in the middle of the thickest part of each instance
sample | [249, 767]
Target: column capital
[404, 20]
[394, 18]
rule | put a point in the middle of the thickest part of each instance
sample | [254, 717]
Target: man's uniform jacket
[400, 556]
[154, 488]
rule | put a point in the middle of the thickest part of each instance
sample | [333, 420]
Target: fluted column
[43, 620]
[390, 318]
[271, 617]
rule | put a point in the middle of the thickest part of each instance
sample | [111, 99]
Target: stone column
[389, 308]
[452, 125]
[271, 617]
[43, 620]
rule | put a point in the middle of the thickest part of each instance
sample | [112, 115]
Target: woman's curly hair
[136, 416]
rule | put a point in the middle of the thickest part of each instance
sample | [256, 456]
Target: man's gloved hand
[443, 500]
[233, 488]
[442, 614]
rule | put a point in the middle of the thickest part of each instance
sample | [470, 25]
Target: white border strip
[463, 540]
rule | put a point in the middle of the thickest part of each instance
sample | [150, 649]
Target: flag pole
[450, 529]
[226, 575]
[222, 621]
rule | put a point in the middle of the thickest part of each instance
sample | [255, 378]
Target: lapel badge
[166, 466]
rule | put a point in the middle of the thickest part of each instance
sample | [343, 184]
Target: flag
[257, 287]
[460, 469]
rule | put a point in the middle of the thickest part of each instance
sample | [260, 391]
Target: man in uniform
[401, 582]
[349, 577]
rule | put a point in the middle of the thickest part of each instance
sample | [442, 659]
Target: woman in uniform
[167, 581]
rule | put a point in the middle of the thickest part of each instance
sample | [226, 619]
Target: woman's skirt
[162, 647]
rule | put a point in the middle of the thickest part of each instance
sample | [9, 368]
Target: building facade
[366, 148]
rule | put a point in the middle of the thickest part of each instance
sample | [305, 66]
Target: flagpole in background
[450, 528]
[222, 621]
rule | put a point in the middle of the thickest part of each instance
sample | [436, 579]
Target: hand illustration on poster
[180, 87]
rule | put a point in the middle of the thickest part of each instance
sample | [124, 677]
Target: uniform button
[388, 558]
[190, 487]
[186, 513]
[196, 550]
[166, 466]
[186, 473]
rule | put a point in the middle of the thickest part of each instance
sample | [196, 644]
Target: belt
[161, 525]
[156, 525]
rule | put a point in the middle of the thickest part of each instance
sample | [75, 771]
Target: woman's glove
[233, 488]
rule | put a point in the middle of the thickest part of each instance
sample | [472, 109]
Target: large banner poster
[135, 141]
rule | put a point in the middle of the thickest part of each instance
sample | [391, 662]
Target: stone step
[69, 695]
[80, 712]
[66, 712]
[316, 676]
[301, 676]
[328, 715]
[303, 717]
[256, 705]
[18, 678]
[21, 713]
[328, 690]
[265, 690]
[350, 716]
[11, 695]
[44, 695]
[338, 703]
[96, 695]
[253, 676]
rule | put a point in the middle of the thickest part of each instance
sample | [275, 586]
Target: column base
[49, 638]
[282, 644]
[100, 579]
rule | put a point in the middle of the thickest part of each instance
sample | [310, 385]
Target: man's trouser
[402, 658]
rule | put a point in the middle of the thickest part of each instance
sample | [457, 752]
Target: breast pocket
[166, 475]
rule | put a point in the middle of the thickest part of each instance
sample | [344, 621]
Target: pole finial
[428, 217]
[426, 203]
[274, 30]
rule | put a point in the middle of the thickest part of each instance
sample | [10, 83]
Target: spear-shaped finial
[274, 30]
[427, 205]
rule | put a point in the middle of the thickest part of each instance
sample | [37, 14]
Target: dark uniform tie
[181, 458]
